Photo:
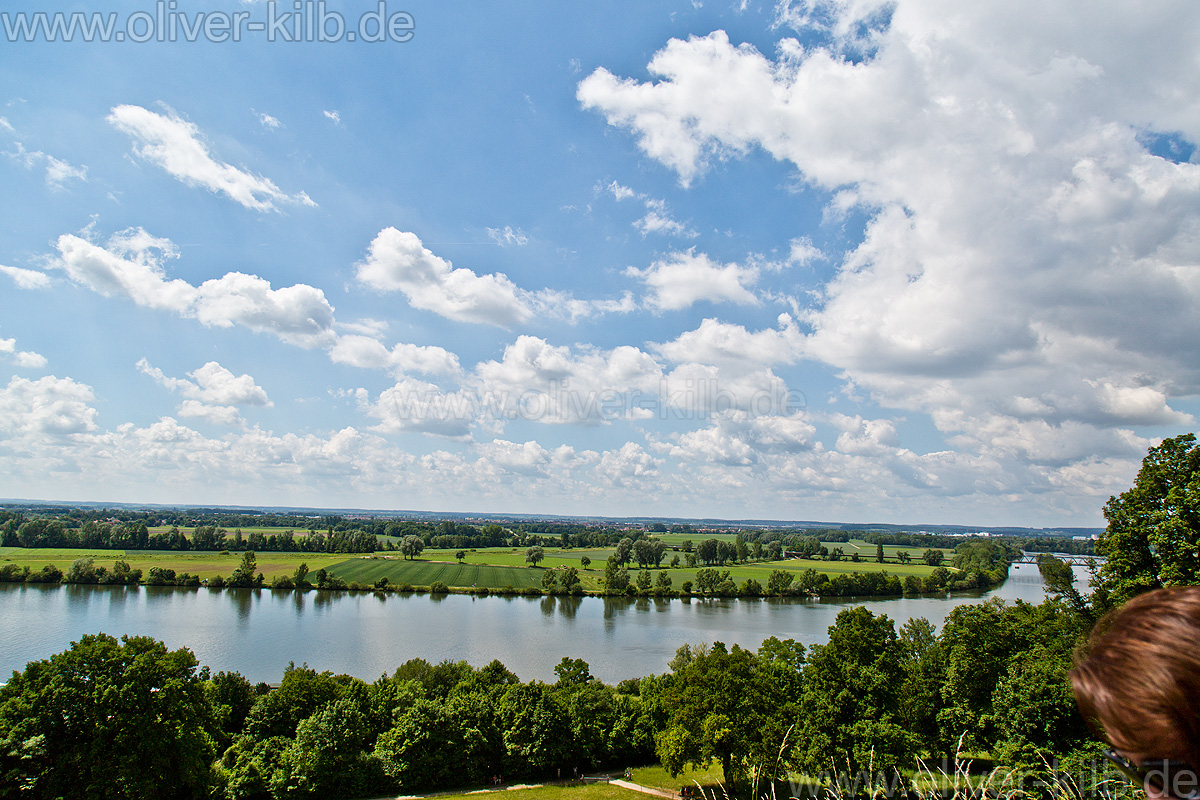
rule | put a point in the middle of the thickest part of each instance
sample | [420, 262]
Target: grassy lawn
[204, 564]
[658, 777]
[590, 791]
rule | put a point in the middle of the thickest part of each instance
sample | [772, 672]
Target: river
[363, 634]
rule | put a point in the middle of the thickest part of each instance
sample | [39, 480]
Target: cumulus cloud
[49, 405]
[177, 146]
[212, 384]
[538, 381]
[684, 279]
[1026, 275]
[733, 346]
[131, 264]
[26, 278]
[22, 358]
[398, 261]
[369, 353]
[214, 394]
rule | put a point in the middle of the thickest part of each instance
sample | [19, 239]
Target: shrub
[437, 587]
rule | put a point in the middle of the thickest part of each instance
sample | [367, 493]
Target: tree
[1153, 533]
[550, 581]
[879, 552]
[723, 704]
[708, 550]
[411, 546]
[933, 557]
[535, 554]
[779, 581]
[460, 555]
[624, 551]
[570, 581]
[300, 577]
[903, 557]
[643, 581]
[774, 551]
[424, 748]
[244, 575]
[585, 562]
[851, 696]
[125, 719]
[643, 552]
[572, 672]
[662, 584]
[616, 577]
[327, 757]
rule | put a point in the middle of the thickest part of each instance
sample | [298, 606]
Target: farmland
[204, 564]
[495, 568]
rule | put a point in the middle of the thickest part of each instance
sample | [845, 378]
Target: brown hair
[1139, 677]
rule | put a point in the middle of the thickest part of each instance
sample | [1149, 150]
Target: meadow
[204, 564]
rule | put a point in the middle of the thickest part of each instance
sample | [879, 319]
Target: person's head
[1138, 680]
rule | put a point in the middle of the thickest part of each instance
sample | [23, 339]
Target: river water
[363, 634]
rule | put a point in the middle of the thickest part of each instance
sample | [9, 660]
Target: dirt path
[637, 787]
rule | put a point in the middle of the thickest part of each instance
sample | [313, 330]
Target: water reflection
[367, 634]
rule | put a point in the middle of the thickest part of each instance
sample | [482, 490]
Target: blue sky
[860, 261]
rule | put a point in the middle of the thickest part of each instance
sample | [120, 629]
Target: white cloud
[211, 384]
[420, 407]
[267, 121]
[733, 346]
[59, 172]
[659, 220]
[178, 146]
[27, 278]
[620, 192]
[684, 279]
[48, 406]
[29, 359]
[537, 381]
[369, 353]
[507, 237]
[334, 117]
[214, 415]
[131, 264]
[1027, 272]
[397, 261]
[23, 358]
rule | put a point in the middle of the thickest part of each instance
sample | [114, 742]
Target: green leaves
[1153, 533]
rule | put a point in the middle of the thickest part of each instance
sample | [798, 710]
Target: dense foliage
[130, 719]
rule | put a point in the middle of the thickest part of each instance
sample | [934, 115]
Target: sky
[844, 260]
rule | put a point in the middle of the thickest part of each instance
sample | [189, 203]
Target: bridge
[1077, 561]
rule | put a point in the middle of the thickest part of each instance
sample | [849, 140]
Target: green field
[492, 568]
[420, 572]
[204, 564]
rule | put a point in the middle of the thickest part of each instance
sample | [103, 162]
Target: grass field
[204, 564]
[367, 569]
[493, 568]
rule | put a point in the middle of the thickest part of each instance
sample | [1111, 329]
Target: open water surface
[257, 633]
